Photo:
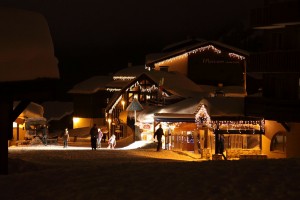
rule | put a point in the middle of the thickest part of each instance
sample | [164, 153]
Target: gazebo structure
[226, 116]
[28, 69]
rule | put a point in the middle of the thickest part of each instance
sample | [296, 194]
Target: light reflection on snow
[135, 145]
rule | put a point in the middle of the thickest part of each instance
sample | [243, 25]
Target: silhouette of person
[100, 135]
[158, 134]
[112, 142]
[45, 135]
[94, 136]
[221, 146]
[66, 138]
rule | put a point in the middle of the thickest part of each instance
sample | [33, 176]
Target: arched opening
[278, 142]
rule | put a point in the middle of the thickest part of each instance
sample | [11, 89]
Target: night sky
[93, 37]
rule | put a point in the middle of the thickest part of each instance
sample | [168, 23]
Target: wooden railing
[275, 61]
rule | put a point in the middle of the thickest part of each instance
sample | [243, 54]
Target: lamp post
[123, 103]
[135, 106]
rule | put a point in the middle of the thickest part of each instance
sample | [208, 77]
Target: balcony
[275, 61]
[276, 15]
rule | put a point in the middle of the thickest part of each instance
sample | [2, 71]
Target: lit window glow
[75, 120]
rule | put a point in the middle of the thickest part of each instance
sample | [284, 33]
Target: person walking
[100, 135]
[94, 136]
[66, 138]
[112, 142]
[158, 134]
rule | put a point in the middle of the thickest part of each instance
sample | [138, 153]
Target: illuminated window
[278, 142]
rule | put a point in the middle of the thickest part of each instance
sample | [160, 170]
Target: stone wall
[235, 153]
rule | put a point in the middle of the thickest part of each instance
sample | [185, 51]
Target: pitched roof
[175, 83]
[91, 85]
[33, 110]
[131, 71]
[224, 106]
[187, 108]
[154, 58]
[56, 110]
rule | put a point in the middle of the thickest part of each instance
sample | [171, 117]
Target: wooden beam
[6, 131]
[19, 109]
[284, 124]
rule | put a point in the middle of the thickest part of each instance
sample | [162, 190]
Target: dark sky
[97, 37]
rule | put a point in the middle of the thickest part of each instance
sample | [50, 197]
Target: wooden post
[217, 139]
[6, 130]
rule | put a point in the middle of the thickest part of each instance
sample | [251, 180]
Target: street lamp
[109, 121]
[134, 106]
[123, 103]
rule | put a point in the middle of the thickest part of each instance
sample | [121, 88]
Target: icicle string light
[202, 118]
[185, 55]
[124, 78]
[234, 55]
[199, 50]
[150, 89]
[115, 104]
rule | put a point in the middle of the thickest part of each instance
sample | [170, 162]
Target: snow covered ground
[53, 172]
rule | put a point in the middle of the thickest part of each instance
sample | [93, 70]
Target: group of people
[96, 138]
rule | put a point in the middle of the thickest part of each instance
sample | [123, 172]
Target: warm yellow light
[123, 103]
[15, 125]
[109, 121]
[75, 120]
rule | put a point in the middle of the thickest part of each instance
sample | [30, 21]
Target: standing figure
[100, 135]
[112, 142]
[159, 133]
[94, 136]
[66, 138]
[221, 146]
[45, 135]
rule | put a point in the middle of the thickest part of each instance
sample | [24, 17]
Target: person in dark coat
[222, 140]
[159, 133]
[94, 136]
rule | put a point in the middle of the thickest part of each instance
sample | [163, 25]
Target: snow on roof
[179, 84]
[186, 106]
[33, 110]
[26, 50]
[131, 71]
[224, 106]
[91, 85]
[216, 106]
[56, 110]
[118, 84]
